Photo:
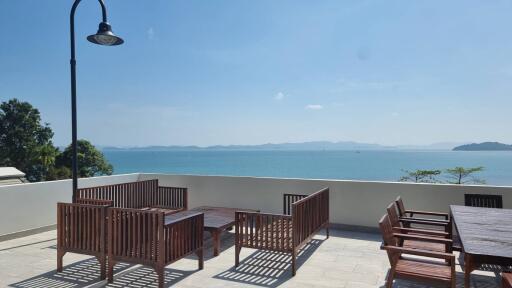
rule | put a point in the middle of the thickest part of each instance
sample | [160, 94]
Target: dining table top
[484, 231]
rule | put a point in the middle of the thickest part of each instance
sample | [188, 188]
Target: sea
[346, 165]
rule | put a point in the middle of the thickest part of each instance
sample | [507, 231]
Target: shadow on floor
[142, 277]
[268, 268]
[78, 274]
[477, 281]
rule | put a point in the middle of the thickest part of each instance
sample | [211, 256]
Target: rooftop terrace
[346, 259]
[349, 258]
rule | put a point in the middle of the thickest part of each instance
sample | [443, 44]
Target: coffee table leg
[216, 242]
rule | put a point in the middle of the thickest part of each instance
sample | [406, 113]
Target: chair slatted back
[393, 215]
[483, 200]
[400, 206]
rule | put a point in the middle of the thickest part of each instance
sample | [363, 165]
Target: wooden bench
[139, 195]
[145, 237]
[281, 232]
[81, 228]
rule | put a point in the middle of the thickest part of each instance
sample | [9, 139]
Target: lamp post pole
[104, 36]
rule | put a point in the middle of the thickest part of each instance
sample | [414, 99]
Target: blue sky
[248, 72]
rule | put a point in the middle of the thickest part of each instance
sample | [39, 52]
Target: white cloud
[314, 107]
[151, 33]
[279, 96]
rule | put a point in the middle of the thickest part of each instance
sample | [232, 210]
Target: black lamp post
[105, 37]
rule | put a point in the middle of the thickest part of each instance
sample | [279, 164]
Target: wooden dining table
[485, 235]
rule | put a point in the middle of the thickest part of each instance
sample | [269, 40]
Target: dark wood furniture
[434, 268]
[483, 200]
[506, 280]
[140, 195]
[148, 238]
[281, 232]
[82, 228]
[485, 234]
[424, 239]
[419, 214]
[216, 221]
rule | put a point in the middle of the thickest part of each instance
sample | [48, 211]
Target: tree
[421, 176]
[25, 143]
[91, 162]
[461, 175]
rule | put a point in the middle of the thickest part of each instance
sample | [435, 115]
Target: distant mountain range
[303, 146]
[485, 146]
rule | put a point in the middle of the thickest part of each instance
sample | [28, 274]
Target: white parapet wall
[34, 205]
[352, 203]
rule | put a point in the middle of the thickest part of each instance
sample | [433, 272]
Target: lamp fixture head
[105, 36]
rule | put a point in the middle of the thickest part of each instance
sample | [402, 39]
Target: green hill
[485, 146]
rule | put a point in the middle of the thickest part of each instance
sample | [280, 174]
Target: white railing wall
[352, 203]
[34, 205]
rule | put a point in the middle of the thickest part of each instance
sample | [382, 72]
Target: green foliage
[421, 176]
[461, 175]
[25, 143]
[91, 162]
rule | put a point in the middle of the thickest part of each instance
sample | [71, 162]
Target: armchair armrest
[423, 238]
[446, 256]
[424, 221]
[441, 214]
[421, 231]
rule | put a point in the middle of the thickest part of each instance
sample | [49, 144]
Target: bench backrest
[138, 194]
[309, 215]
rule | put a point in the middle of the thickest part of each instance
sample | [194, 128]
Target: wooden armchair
[283, 233]
[424, 239]
[146, 237]
[435, 268]
[404, 213]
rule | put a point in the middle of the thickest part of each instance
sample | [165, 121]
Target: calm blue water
[366, 165]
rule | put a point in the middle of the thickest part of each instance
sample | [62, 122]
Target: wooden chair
[434, 268]
[424, 239]
[145, 237]
[506, 280]
[82, 229]
[281, 232]
[483, 200]
[443, 217]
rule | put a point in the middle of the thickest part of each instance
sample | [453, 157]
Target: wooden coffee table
[216, 221]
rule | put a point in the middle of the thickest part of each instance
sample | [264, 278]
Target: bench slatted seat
[281, 232]
[138, 195]
[145, 237]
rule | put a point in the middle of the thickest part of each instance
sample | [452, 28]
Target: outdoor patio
[346, 259]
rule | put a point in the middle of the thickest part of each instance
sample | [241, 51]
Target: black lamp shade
[104, 36]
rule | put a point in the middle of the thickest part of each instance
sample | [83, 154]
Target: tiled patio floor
[346, 259]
